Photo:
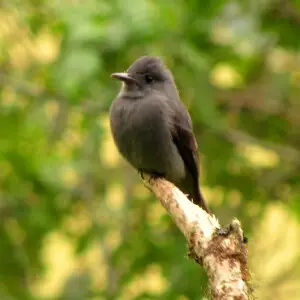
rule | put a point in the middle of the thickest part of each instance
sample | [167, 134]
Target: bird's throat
[131, 91]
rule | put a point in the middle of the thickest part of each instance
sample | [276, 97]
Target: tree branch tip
[237, 228]
[220, 251]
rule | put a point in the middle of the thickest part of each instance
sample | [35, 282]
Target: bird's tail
[191, 188]
[198, 199]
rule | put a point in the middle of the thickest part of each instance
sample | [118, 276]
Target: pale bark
[224, 257]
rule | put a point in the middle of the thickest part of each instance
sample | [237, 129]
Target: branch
[284, 151]
[287, 10]
[254, 99]
[224, 257]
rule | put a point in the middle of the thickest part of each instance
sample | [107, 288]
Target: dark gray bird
[152, 129]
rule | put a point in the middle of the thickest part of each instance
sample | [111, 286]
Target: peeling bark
[223, 256]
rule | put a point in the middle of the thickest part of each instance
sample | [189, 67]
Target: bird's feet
[153, 174]
[141, 173]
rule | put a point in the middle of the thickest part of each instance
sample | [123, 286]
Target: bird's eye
[149, 78]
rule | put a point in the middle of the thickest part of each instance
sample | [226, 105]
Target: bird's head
[146, 75]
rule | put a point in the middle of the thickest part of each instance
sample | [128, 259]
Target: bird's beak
[123, 77]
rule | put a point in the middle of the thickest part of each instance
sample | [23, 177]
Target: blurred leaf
[76, 287]
[75, 70]
[55, 139]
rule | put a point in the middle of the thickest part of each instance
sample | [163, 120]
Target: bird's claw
[152, 174]
[141, 173]
[155, 175]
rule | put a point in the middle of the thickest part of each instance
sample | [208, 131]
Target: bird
[152, 128]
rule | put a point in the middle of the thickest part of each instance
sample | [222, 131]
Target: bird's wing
[185, 141]
[186, 144]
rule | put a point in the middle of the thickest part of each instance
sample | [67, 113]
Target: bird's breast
[138, 128]
[142, 134]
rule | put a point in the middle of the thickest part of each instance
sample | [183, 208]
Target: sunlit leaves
[75, 216]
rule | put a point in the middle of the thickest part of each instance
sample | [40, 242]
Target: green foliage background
[76, 221]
